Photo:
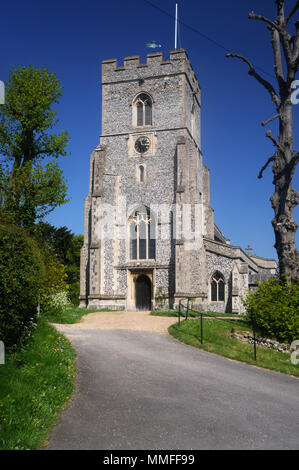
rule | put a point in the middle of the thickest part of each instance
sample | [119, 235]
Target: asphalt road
[143, 390]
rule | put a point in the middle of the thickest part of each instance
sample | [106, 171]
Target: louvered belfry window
[144, 110]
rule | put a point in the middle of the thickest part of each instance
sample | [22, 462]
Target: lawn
[217, 339]
[70, 314]
[36, 382]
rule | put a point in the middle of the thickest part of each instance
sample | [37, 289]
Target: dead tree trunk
[285, 158]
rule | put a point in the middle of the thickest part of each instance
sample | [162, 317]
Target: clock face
[142, 144]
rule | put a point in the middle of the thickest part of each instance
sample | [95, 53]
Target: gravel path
[123, 320]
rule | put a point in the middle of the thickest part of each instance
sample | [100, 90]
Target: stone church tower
[150, 235]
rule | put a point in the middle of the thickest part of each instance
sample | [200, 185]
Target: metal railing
[187, 312]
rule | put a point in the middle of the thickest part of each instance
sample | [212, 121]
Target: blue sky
[71, 38]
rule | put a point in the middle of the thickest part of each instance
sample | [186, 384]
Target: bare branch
[261, 80]
[294, 160]
[296, 48]
[296, 42]
[292, 12]
[264, 123]
[270, 136]
[284, 200]
[271, 159]
[254, 16]
[280, 11]
[285, 42]
[278, 68]
[285, 38]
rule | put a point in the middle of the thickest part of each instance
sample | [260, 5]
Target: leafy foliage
[55, 280]
[274, 308]
[29, 187]
[35, 192]
[66, 247]
[21, 277]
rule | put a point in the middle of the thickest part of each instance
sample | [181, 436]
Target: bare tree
[284, 161]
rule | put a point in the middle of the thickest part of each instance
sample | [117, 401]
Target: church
[150, 239]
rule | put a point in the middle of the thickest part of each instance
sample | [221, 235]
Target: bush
[65, 246]
[55, 280]
[57, 303]
[21, 277]
[274, 309]
[74, 292]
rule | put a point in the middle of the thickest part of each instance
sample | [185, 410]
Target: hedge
[21, 278]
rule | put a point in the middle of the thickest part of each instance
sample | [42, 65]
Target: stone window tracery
[217, 287]
[143, 107]
[142, 235]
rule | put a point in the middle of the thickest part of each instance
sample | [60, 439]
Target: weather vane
[153, 45]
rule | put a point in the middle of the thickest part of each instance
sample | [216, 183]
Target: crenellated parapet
[177, 63]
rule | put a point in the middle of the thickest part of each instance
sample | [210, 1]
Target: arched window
[143, 104]
[141, 174]
[142, 235]
[217, 287]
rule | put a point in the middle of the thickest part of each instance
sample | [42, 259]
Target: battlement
[155, 65]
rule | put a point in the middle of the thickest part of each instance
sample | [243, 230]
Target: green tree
[73, 267]
[66, 246]
[30, 185]
[58, 240]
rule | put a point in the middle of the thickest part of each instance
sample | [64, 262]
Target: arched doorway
[143, 293]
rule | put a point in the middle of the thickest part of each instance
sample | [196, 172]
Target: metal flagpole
[176, 27]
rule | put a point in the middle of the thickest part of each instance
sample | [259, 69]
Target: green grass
[70, 315]
[217, 339]
[35, 384]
